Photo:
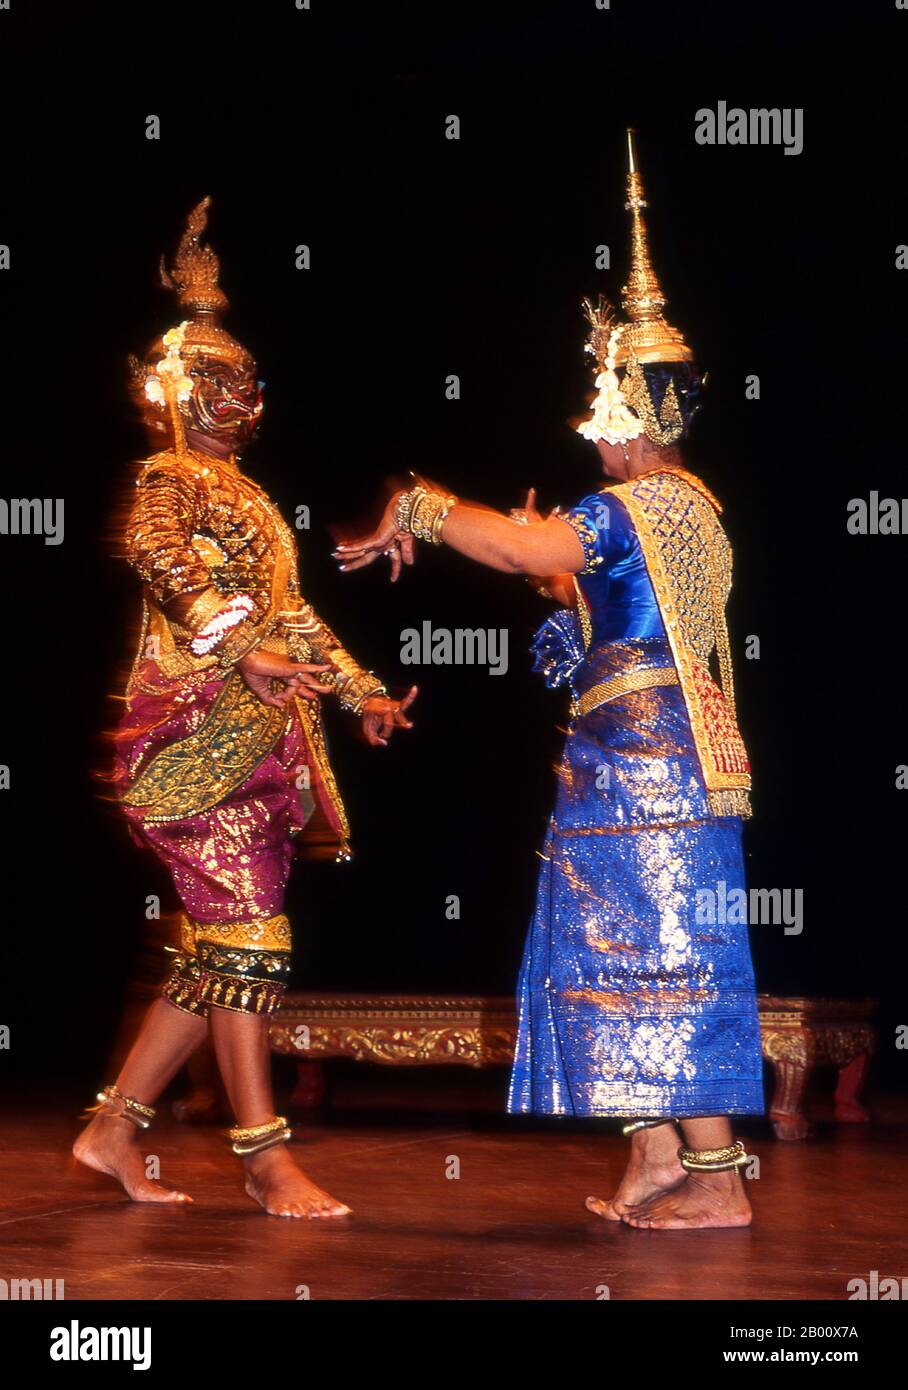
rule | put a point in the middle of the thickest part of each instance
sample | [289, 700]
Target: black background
[432, 257]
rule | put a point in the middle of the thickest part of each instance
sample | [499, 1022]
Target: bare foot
[109, 1145]
[274, 1180]
[652, 1169]
[704, 1201]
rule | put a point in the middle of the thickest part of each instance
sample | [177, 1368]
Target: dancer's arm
[358, 690]
[560, 588]
[539, 548]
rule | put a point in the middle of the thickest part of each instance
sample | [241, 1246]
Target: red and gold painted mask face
[226, 399]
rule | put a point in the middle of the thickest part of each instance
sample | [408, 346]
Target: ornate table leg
[309, 1091]
[792, 1056]
[848, 1109]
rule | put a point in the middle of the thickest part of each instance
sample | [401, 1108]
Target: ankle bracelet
[713, 1160]
[255, 1138]
[633, 1125]
[133, 1110]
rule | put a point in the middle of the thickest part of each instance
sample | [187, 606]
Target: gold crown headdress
[647, 334]
[163, 378]
[194, 276]
[644, 338]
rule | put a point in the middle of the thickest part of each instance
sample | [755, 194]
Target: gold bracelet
[403, 507]
[438, 525]
[354, 691]
[423, 513]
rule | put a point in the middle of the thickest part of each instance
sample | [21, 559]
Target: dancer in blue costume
[634, 999]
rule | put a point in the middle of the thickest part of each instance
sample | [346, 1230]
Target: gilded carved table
[798, 1035]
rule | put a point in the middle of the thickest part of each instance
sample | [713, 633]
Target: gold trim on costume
[262, 934]
[587, 535]
[583, 613]
[240, 962]
[238, 995]
[310, 718]
[623, 684]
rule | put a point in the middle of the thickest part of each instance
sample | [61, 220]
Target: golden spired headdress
[162, 380]
[194, 276]
[647, 334]
[645, 338]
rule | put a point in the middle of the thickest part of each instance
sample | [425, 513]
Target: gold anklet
[253, 1139]
[133, 1110]
[634, 1125]
[713, 1160]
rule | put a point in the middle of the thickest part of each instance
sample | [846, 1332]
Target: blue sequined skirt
[628, 1006]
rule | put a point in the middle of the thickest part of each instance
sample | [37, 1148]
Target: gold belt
[622, 685]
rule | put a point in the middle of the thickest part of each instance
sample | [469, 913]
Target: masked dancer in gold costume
[632, 1003]
[222, 768]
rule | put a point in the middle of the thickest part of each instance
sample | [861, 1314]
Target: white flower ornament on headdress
[612, 418]
[171, 365]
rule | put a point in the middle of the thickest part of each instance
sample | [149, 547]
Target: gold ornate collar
[690, 478]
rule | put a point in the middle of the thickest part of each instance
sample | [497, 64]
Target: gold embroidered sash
[688, 559]
[194, 774]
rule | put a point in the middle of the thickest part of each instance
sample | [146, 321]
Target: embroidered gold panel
[199, 771]
[689, 561]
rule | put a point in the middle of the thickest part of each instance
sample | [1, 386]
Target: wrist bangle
[403, 507]
[354, 693]
[423, 513]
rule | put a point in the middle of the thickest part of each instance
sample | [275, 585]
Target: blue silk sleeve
[603, 528]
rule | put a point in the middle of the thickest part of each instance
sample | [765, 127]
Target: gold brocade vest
[200, 531]
[689, 561]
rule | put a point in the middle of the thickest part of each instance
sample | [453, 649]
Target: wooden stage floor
[513, 1226]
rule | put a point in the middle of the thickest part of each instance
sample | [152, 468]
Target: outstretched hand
[386, 539]
[381, 716]
[529, 513]
[275, 679]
